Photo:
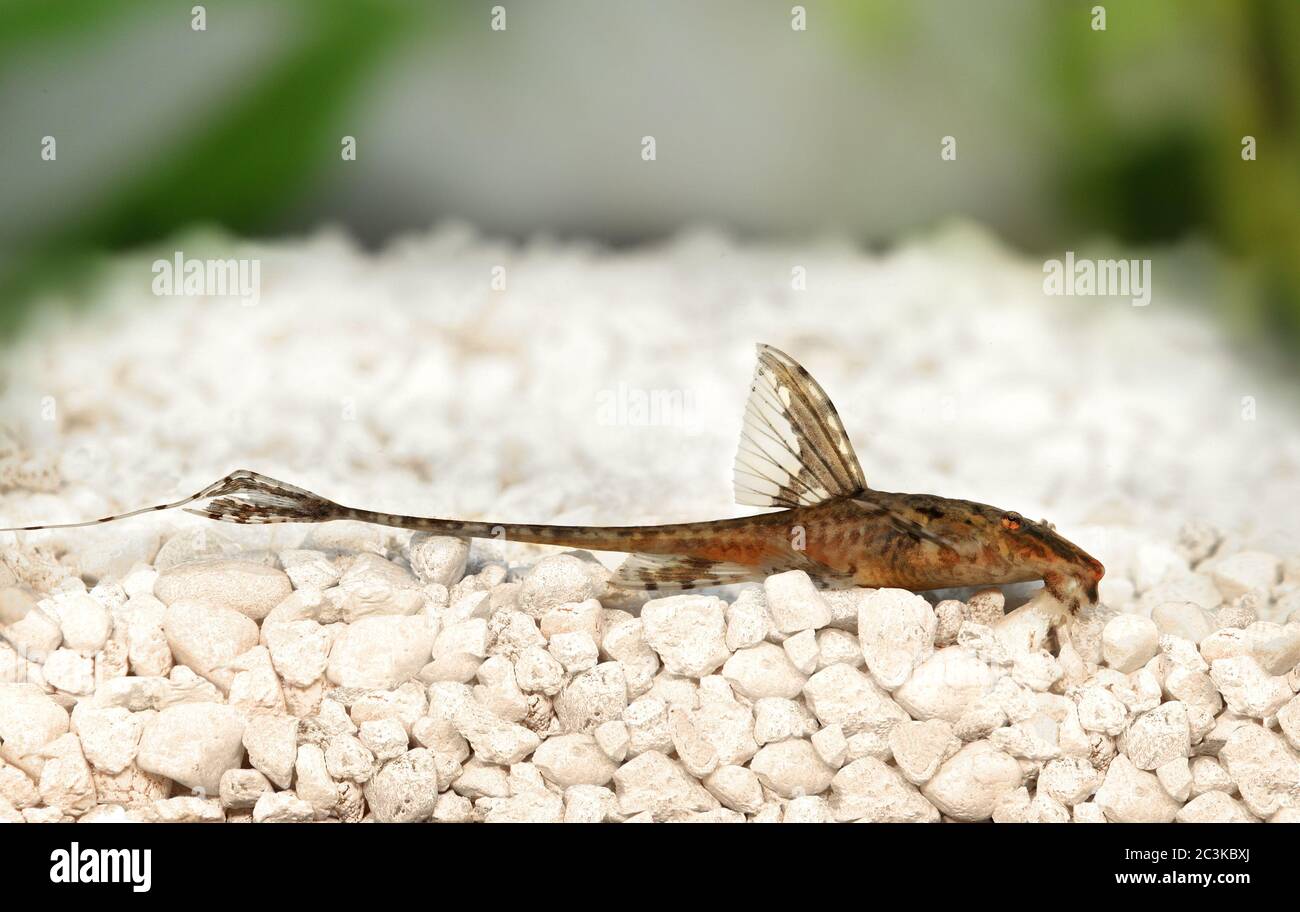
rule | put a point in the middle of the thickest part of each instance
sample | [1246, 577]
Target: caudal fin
[240, 497]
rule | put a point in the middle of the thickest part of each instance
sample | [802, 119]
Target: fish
[795, 458]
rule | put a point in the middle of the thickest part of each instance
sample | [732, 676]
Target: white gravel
[173, 669]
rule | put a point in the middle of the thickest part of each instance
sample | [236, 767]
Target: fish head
[1068, 572]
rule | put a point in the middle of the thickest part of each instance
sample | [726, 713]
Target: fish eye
[1012, 521]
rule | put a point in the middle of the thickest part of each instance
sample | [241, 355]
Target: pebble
[968, 784]
[250, 588]
[747, 620]
[986, 607]
[282, 807]
[653, 783]
[193, 744]
[831, 746]
[65, 780]
[763, 671]
[206, 637]
[1069, 780]
[844, 696]
[404, 790]
[576, 759]
[945, 685]
[1159, 736]
[575, 650]
[70, 671]
[1101, 711]
[1263, 769]
[553, 581]
[920, 748]
[736, 787]
[241, 788]
[593, 697]
[300, 649]
[84, 621]
[1129, 641]
[1214, 807]
[1183, 619]
[1131, 795]
[493, 740]
[1247, 689]
[29, 719]
[272, 744]
[794, 603]
[437, 558]
[688, 632]
[586, 617]
[110, 736]
[791, 768]
[380, 652]
[835, 646]
[1176, 778]
[1245, 572]
[868, 791]
[896, 631]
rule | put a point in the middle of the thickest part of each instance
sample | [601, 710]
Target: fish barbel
[794, 455]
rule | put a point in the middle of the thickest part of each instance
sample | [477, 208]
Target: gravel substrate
[170, 668]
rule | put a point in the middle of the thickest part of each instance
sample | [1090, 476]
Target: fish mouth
[1075, 589]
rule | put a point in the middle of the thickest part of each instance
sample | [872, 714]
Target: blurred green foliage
[248, 164]
[1143, 136]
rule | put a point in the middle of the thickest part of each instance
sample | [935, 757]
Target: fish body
[795, 456]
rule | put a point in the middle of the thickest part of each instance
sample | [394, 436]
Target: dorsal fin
[794, 451]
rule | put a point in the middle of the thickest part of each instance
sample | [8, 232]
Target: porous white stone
[1129, 641]
[575, 759]
[793, 602]
[272, 744]
[1159, 736]
[920, 748]
[763, 671]
[1247, 688]
[29, 719]
[250, 588]
[1214, 807]
[380, 652]
[1245, 572]
[688, 632]
[945, 685]
[776, 719]
[241, 788]
[968, 784]
[70, 671]
[844, 696]
[553, 581]
[593, 697]
[1069, 780]
[1131, 795]
[1186, 620]
[791, 768]
[110, 736]
[206, 636]
[404, 790]
[282, 807]
[437, 558]
[1263, 769]
[653, 783]
[896, 633]
[193, 744]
